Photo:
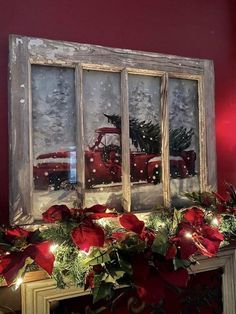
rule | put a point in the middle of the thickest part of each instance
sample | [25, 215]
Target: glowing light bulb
[53, 248]
[188, 235]
[215, 221]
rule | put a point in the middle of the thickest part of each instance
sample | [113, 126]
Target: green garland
[99, 249]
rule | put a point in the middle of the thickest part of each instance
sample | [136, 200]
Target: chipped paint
[36, 42]
[22, 101]
[22, 85]
[84, 48]
[19, 41]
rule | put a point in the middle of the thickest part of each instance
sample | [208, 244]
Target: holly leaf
[181, 263]
[97, 257]
[115, 272]
[102, 291]
[160, 244]
[177, 217]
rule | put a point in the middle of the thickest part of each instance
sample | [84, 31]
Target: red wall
[193, 28]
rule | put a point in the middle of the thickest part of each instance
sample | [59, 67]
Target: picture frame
[136, 188]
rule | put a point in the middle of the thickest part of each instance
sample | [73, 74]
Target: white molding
[37, 296]
[225, 259]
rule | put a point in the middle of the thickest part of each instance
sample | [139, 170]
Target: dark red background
[192, 28]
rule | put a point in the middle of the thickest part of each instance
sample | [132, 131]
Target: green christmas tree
[147, 136]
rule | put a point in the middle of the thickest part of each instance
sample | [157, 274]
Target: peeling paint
[36, 42]
[22, 101]
[83, 48]
[22, 85]
[19, 41]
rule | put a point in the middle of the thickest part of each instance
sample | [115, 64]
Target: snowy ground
[144, 196]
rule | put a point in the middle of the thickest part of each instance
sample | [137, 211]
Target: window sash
[25, 51]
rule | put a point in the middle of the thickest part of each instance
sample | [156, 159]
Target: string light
[53, 248]
[215, 221]
[188, 235]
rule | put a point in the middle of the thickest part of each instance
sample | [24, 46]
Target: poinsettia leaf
[181, 263]
[13, 265]
[102, 291]
[132, 244]
[132, 223]
[115, 272]
[98, 208]
[97, 257]
[177, 278]
[160, 244]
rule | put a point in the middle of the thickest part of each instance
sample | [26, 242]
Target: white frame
[36, 296]
[25, 51]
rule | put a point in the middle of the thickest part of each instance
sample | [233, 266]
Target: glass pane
[101, 92]
[53, 123]
[184, 137]
[145, 142]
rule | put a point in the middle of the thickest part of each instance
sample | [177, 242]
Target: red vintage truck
[103, 164]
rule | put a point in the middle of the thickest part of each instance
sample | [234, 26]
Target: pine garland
[95, 252]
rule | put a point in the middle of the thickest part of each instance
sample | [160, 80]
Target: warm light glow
[19, 281]
[215, 221]
[188, 235]
[53, 248]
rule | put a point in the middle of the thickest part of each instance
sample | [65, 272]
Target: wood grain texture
[209, 105]
[126, 189]
[165, 140]
[79, 134]
[20, 134]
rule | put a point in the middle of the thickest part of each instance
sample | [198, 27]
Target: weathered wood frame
[37, 296]
[25, 51]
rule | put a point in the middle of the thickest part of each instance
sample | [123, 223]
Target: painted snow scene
[183, 137]
[54, 139]
[53, 136]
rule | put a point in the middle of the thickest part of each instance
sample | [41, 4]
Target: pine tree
[147, 136]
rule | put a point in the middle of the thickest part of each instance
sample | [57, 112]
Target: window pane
[184, 136]
[145, 142]
[53, 136]
[101, 100]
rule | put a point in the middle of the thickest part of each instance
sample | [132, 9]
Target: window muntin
[91, 66]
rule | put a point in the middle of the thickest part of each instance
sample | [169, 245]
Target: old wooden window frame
[25, 51]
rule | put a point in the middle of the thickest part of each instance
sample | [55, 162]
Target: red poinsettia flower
[131, 223]
[16, 233]
[171, 252]
[56, 213]
[12, 263]
[89, 280]
[195, 235]
[194, 215]
[151, 282]
[98, 208]
[86, 235]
